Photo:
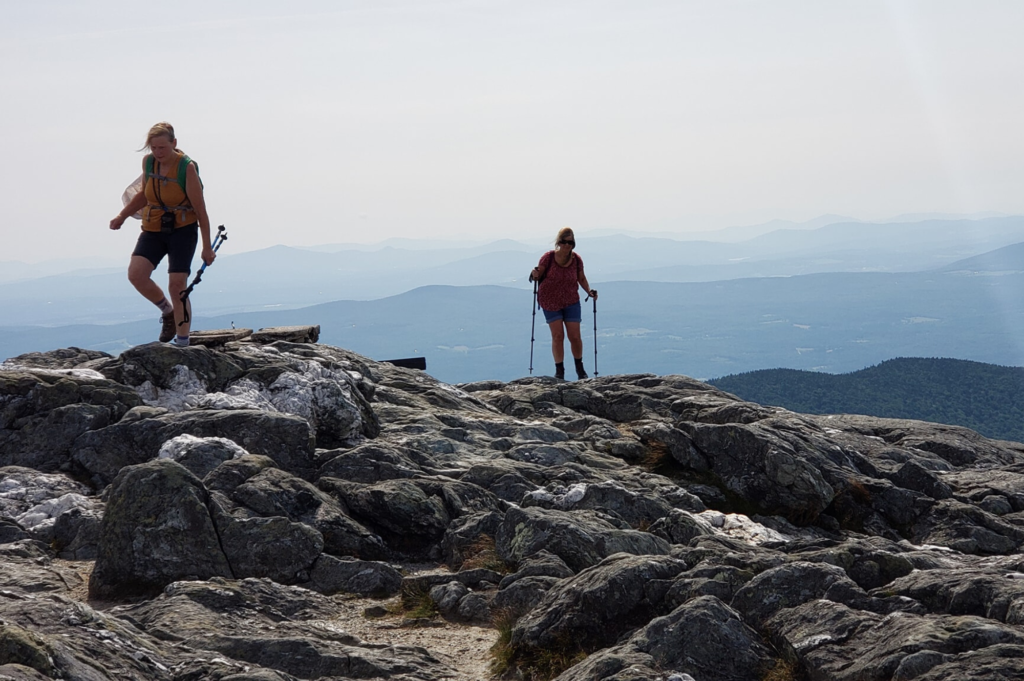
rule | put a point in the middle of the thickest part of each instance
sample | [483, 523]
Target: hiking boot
[581, 373]
[167, 328]
[560, 371]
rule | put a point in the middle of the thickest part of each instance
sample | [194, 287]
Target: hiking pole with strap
[595, 331]
[533, 324]
[221, 237]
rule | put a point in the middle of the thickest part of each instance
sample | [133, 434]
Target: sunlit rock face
[632, 526]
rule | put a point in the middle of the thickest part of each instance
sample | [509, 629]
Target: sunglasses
[566, 242]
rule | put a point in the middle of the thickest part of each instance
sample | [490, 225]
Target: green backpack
[182, 169]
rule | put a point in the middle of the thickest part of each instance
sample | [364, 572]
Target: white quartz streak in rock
[176, 448]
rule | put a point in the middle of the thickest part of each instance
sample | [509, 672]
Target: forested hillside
[985, 397]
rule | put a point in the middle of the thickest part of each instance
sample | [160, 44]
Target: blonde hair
[160, 129]
[562, 233]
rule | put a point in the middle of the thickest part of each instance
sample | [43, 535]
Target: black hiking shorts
[179, 246]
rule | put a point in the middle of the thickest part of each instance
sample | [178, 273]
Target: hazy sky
[319, 121]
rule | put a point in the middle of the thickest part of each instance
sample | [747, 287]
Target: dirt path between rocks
[464, 648]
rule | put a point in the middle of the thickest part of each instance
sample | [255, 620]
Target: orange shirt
[164, 188]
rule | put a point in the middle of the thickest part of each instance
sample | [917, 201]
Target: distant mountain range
[984, 397]
[832, 321]
[835, 322]
[284, 277]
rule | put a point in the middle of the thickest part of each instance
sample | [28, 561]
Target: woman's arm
[137, 203]
[194, 191]
[540, 270]
[582, 279]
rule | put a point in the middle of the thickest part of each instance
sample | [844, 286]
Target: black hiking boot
[167, 330]
[560, 371]
[581, 373]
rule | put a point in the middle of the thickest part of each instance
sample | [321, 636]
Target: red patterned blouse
[560, 287]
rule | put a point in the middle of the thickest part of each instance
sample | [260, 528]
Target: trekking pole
[595, 337]
[533, 324]
[221, 237]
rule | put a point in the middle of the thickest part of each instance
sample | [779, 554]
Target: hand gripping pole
[221, 237]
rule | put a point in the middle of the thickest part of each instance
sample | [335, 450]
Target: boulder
[29, 570]
[274, 547]
[834, 641]
[871, 562]
[964, 591]
[788, 586]
[159, 365]
[764, 468]
[275, 627]
[254, 489]
[679, 527]
[540, 564]
[43, 412]
[469, 536]
[580, 538]
[707, 579]
[23, 489]
[368, 463]
[11, 531]
[476, 578]
[637, 508]
[968, 529]
[502, 478]
[912, 475]
[332, 575]
[522, 595]
[285, 439]
[200, 455]
[703, 639]
[599, 604]
[398, 510]
[63, 358]
[76, 533]
[157, 529]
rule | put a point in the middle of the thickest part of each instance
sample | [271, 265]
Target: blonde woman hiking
[173, 218]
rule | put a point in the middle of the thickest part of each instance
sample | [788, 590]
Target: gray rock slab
[157, 529]
[983, 592]
[284, 438]
[579, 538]
[702, 639]
[836, 642]
[42, 412]
[332, 575]
[599, 604]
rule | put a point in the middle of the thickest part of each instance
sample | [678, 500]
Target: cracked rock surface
[225, 507]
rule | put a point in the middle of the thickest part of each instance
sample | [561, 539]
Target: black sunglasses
[567, 243]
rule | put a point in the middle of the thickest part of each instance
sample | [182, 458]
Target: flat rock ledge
[197, 513]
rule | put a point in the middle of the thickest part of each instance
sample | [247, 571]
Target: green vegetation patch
[986, 398]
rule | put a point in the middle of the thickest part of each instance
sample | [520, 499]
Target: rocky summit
[206, 513]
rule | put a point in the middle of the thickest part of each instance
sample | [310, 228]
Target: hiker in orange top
[560, 274]
[173, 217]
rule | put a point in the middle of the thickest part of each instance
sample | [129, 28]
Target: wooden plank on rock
[292, 334]
[216, 337]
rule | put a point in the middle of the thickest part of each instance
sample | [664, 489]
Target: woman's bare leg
[557, 341]
[140, 270]
[177, 282]
[575, 340]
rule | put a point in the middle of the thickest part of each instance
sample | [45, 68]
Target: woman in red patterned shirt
[560, 274]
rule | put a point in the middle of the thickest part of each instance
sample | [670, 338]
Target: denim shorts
[179, 246]
[573, 313]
